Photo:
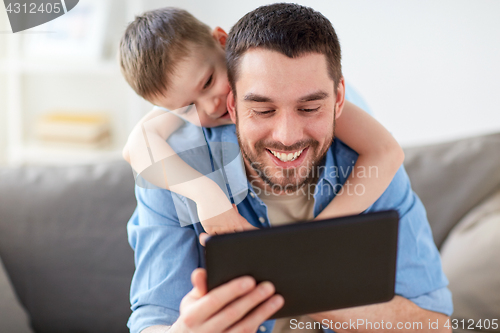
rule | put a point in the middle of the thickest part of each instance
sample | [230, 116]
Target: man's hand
[237, 306]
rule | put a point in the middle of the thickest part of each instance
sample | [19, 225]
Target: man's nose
[288, 127]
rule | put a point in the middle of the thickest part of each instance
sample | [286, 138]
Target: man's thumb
[199, 281]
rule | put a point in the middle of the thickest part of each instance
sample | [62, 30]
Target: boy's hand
[227, 222]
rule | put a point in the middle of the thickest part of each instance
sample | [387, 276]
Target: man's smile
[288, 159]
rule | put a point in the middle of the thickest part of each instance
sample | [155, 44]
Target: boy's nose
[214, 106]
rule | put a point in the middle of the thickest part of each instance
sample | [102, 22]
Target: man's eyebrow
[256, 98]
[314, 97]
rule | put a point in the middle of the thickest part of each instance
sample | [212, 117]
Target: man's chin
[282, 185]
[288, 188]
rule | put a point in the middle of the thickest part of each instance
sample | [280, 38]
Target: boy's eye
[208, 82]
[188, 109]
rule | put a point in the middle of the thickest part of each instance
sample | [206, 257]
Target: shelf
[35, 83]
[107, 67]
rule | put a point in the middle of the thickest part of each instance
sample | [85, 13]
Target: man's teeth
[287, 157]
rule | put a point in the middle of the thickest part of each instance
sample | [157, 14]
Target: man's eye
[309, 110]
[262, 113]
[208, 82]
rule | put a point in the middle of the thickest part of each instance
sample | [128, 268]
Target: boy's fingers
[209, 230]
[248, 226]
[243, 223]
[203, 238]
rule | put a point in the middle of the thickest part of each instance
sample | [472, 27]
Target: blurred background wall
[429, 70]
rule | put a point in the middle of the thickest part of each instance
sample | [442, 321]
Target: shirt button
[262, 220]
[252, 195]
[262, 328]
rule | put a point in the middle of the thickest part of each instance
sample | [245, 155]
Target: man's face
[284, 115]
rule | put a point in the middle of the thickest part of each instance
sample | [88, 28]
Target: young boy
[173, 60]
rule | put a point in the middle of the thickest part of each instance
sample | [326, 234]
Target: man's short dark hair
[290, 29]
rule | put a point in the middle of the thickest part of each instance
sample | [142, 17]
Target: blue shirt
[167, 252]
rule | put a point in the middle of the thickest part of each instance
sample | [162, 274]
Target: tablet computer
[316, 266]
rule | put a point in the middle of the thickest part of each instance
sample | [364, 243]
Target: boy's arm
[377, 150]
[154, 128]
[421, 293]
[147, 145]
[136, 151]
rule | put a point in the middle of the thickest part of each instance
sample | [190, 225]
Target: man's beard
[285, 180]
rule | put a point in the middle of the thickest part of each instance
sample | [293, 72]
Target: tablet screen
[316, 266]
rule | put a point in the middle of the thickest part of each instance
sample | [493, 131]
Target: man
[287, 90]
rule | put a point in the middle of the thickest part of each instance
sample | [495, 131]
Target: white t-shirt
[285, 209]
[288, 208]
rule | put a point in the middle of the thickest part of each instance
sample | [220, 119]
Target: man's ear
[231, 106]
[220, 36]
[340, 98]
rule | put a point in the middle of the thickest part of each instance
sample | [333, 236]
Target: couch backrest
[451, 178]
[63, 229]
[63, 241]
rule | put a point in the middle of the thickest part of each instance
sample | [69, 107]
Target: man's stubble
[288, 181]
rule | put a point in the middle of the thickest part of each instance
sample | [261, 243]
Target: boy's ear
[231, 106]
[220, 36]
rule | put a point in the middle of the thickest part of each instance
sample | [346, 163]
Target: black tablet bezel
[364, 274]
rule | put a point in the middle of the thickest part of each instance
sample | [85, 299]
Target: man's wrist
[158, 329]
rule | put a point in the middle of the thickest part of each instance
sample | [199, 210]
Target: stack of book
[69, 129]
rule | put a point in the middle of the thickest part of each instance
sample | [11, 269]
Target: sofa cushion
[64, 244]
[470, 257]
[13, 317]
[451, 178]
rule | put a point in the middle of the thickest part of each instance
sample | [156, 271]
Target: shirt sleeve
[419, 274]
[165, 255]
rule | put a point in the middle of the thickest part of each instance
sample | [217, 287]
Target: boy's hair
[154, 43]
[290, 29]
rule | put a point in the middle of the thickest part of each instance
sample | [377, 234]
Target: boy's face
[200, 79]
